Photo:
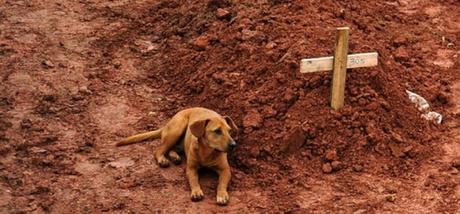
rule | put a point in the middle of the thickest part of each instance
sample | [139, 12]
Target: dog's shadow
[208, 179]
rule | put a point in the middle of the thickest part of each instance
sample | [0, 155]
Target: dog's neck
[207, 152]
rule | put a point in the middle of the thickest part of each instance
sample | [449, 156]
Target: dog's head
[215, 132]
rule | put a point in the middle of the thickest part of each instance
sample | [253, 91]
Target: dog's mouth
[228, 150]
[215, 149]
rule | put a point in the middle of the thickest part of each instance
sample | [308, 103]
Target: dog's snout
[232, 143]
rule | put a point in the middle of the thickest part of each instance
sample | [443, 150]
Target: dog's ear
[198, 128]
[231, 123]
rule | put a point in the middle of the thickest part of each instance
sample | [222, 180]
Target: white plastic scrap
[433, 116]
[423, 106]
[419, 101]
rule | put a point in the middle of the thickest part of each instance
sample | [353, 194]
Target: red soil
[77, 77]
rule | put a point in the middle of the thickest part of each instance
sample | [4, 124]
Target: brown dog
[204, 136]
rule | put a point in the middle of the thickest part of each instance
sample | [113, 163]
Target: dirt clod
[248, 34]
[331, 155]
[253, 119]
[401, 54]
[47, 64]
[390, 197]
[144, 47]
[202, 42]
[223, 13]
[26, 123]
[327, 168]
[357, 168]
[336, 165]
[456, 164]
[294, 141]
[84, 90]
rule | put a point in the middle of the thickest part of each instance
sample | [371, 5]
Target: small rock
[270, 45]
[116, 64]
[145, 46]
[280, 77]
[357, 168]
[202, 42]
[386, 167]
[456, 164]
[327, 168]
[122, 163]
[77, 97]
[290, 96]
[248, 34]
[401, 54]
[294, 141]
[396, 150]
[84, 90]
[47, 64]
[268, 112]
[400, 40]
[37, 150]
[223, 14]
[305, 154]
[253, 119]
[331, 155]
[385, 105]
[118, 205]
[360, 211]
[390, 198]
[391, 189]
[407, 149]
[373, 106]
[397, 138]
[26, 123]
[336, 165]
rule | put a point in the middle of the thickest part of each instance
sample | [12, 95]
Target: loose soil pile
[80, 76]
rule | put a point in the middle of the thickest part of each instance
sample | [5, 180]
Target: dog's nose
[232, 143]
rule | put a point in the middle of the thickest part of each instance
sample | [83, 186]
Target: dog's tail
[139, 137]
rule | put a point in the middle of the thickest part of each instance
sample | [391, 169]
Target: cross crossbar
[358, 60]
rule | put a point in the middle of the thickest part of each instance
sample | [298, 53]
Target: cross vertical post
[340, 68]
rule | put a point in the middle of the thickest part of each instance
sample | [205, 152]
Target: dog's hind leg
[174, 156]
[170, 135]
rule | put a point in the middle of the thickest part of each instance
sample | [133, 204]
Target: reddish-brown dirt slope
[78, 76]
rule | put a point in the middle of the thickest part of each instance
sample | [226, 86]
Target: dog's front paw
[222, 198]
[197, 195]
[163, 162]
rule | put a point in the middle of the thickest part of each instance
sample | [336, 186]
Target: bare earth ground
[77, 76]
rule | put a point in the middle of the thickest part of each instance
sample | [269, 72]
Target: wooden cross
[339, 64]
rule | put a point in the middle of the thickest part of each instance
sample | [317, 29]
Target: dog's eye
[218, 131]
